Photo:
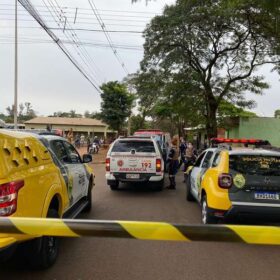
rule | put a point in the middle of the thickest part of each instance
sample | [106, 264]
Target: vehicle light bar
[241, 141]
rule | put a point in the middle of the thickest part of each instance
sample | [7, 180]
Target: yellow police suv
[232, 182]
[40, 176]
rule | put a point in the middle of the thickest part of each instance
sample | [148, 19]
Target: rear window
[255, 164]
[138, 146]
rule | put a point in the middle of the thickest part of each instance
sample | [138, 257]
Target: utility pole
[16, 66]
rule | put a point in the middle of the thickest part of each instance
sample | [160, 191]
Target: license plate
[267, 196]
[132, 176]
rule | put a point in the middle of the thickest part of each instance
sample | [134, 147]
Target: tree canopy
[116, 104]
[217, 46]
[277, 114]
[25, 113]
[70, 114]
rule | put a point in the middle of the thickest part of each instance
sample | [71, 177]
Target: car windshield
[138, 146]
[255, 164]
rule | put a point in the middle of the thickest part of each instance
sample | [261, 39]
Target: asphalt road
[122, 259]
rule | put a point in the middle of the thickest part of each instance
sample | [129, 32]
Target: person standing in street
[182, 149]
[173, 164]
[70, 136]
[88, 143]
[190, 156]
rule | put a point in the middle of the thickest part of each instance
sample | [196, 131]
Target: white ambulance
[135, 159]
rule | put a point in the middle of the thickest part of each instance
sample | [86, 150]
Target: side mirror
[87, 158]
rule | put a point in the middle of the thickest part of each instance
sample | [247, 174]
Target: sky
[50, 81]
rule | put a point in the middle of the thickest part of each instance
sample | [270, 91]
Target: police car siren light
[242, 141]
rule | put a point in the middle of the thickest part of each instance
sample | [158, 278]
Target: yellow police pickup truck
[236, 183]
[40, 176]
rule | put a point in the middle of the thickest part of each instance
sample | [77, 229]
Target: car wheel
[189, 196]
[159, 185]
[114, 186]
[41, 253]
[89, 199]
[206, 215]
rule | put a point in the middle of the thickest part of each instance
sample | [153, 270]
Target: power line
[72, 36]
[32, 11]
[9, 41]
[101, 43]
[81, 18]
[101, 10]
[107, 35]
[72, 14]
[79, 41]
[82, 23]
[79, 29]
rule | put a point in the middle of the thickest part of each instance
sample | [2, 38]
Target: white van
[135, 159]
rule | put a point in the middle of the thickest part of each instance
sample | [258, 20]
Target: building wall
[233, 133]
[258, 128]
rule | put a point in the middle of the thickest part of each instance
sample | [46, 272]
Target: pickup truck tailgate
[136, 163]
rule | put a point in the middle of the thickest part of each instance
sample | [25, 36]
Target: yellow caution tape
[153, 231]
[35, 227]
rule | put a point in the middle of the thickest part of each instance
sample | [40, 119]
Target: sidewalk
[97, 158]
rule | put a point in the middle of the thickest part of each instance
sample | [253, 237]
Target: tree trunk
[211, 121]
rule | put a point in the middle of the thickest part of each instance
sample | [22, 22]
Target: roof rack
[270, 148]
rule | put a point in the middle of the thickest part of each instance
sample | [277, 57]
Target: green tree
[116, 104]
[70, 114]
[137, 122]
[148, 88]
[87, 114]
[25, 113]
[277, 114]
[73, 114]
[169, 97]
[220, 46]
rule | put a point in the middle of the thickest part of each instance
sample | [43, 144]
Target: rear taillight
[107, 164]
[9, 196]
[158, 165]
[225, 181]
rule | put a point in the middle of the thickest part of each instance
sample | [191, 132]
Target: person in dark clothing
[182, 150]
[173, 164]
[88, 144]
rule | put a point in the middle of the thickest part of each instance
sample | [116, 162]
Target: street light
[16, 66]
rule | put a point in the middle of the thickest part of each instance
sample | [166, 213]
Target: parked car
[40, 176]
[233, 183]
[135, 159]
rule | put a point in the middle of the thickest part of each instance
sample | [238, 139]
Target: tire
[42, 253]
[114, 186]
[189, 196]
[89, 199]
[159, 185]
[206, 215]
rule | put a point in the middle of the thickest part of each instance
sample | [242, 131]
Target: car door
[62, 160]
[195, 173]
[77, 171]
[205, 165]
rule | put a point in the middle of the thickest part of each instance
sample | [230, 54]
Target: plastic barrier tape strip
[141, 230]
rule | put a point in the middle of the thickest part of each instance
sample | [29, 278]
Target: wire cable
[32, 11]
[107, 35]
